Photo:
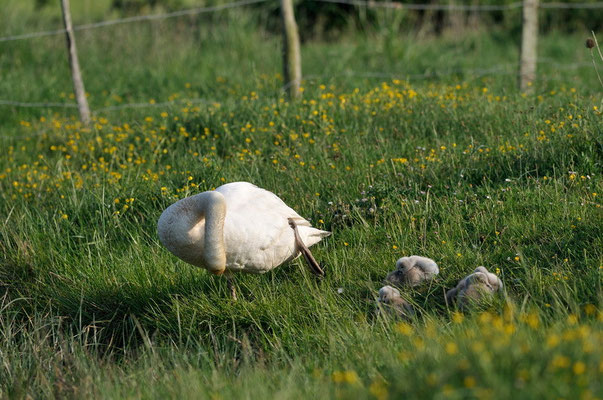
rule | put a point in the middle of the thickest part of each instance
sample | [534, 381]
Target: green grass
[459, 167]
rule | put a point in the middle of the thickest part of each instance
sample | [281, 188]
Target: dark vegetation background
[331, 20]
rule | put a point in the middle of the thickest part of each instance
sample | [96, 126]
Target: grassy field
[459, 167]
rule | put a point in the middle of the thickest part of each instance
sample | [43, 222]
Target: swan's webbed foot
[312, 263]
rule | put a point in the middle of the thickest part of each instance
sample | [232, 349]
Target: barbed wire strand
[37, 105]
[431, 7]
[558, 5]
[138, 18]
[151, 105]
[503, 69]
[459, 7]
[170, 103]
[308, 78]
[108, 108]
[364, 3]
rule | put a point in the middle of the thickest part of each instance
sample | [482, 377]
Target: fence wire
[37, 105]
[504, 69]
[154, 105]
[498, 70]
[96, 112]
[426, 7]
[138, 18]
[470, 74]
[459, 7]
[362, 3]
[558, 5]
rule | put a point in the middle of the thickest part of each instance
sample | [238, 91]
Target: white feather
[256, 232]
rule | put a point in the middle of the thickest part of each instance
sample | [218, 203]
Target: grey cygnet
[475, 287]
[412, 271]
[391, 302]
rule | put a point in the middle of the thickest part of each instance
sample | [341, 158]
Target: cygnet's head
[387, 294]
[391, 303]
[396, 278]
[493, 279]
[474, 286]
[481, 268]
[479, 278]
[476, 290]
[451, 294]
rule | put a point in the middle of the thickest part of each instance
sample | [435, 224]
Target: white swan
[237, 227]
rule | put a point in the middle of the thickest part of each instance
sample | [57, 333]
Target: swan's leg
[314, 267]
[231, 286]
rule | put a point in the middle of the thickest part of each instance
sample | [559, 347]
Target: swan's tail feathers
[312, 263]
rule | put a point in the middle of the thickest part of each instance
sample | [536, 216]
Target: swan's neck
[179, 229]
[212, 207]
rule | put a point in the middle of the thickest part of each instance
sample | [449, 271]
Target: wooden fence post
[76, 76]
[529, 46]
[291, 50]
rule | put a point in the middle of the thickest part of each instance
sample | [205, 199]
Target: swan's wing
[256, 229]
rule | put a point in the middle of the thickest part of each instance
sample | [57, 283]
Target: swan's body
[413, 271]
[237, 227]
